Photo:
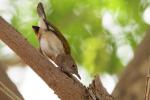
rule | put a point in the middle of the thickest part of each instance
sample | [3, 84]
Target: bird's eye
[74, 66]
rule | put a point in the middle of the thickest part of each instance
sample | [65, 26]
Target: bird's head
[75, 70]
[68, 64]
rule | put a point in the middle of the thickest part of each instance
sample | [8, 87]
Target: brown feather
[61, 37]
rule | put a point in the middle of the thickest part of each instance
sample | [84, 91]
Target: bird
[53, 44]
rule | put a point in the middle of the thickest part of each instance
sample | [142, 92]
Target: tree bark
[65, 87]
[5, 82]
[132, 83]
[97, 91]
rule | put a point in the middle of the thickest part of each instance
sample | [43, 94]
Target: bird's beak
[36, 29]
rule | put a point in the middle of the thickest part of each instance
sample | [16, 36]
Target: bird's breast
[51, 45]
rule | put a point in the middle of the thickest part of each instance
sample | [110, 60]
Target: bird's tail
[40, 11]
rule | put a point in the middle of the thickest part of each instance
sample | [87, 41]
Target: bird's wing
[61, 37]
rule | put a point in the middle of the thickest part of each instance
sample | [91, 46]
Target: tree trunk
[132, 83]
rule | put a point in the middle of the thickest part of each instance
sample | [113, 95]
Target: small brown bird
[53, 44]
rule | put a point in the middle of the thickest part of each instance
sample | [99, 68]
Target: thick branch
[63, 86]
[97, 91]
[132, 83]
[7, 88]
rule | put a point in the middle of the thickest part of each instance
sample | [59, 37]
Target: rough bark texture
[3, 96]
[97, 91]
[132, 83]
[7, 82]
[63, 86]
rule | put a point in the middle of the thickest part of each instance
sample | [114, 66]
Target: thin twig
[8, 92]
[147, 94]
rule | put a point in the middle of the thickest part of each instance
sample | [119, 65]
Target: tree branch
[132, 81]
[7, 88]
[63, 86]
[97, 91]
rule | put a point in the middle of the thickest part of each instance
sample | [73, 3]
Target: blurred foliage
[90, 26]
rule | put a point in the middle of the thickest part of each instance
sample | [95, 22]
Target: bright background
[103, 35]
